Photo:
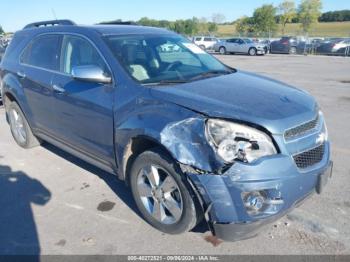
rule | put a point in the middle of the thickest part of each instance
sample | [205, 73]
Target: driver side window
[77, 51]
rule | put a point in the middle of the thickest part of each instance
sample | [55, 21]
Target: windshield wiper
[211, 73]
[166, 82]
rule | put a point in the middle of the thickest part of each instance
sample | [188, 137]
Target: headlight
[238, 142]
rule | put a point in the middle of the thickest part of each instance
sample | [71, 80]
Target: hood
[245, 97]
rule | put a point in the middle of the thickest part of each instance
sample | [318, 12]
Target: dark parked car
[192, 137]
[2, 51]
[286, 45]
[334, 47]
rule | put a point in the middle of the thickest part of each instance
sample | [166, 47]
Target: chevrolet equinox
[193, 138]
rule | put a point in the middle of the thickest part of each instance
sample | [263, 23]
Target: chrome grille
[309, 158]
[301, 130]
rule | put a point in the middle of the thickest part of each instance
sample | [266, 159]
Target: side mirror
[91, 73]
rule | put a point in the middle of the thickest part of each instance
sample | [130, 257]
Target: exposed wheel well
[137, 146]
[8, 96]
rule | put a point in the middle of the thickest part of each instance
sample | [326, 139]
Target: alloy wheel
[17, 126]
[160, 194]
[222, 50]
[252, 52]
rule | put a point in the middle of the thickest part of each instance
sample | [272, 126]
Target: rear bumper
[278, 176]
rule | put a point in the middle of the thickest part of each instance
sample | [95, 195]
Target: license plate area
[323, 178]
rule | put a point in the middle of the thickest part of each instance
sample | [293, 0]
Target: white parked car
[205, 42]
[170, 48]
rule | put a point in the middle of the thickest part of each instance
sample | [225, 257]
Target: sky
[15, 14]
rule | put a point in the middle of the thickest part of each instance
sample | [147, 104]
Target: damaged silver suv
[194, 138]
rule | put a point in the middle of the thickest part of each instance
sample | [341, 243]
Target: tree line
[191, 26]
[335, 16]
[266, 18]
[264, 22]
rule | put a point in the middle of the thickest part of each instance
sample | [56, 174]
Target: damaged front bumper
[277, 177]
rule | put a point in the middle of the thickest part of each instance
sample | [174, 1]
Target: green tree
[244, 25]
[308, 13]
[187, 27]
[203, 25]
[1, 30]
[264, 20]
[287, 13]
[212, 27]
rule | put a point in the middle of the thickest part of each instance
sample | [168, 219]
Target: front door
[84, 110]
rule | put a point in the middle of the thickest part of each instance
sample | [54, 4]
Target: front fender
[179, 130]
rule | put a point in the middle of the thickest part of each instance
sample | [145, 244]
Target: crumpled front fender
[178, 130]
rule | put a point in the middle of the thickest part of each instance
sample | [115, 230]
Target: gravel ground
[62, 205]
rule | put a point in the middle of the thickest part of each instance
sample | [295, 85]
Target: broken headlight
[234, 141]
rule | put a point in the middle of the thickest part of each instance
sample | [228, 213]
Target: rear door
[38, 64]
[84, 110]
[242, 46]
[231, 45]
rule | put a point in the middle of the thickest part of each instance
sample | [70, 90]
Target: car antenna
[54, 13]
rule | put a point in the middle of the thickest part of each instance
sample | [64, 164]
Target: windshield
[157, 59]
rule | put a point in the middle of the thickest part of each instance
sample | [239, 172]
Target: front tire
[161, 194]
[20, 128]
[252, 51]
[293, 50]
[222, 50]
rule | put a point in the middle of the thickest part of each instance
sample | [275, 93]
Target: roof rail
[49, 23]
[117, 22]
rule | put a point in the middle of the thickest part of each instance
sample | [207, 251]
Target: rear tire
[161, 194]
[20, 128]
[202, 47]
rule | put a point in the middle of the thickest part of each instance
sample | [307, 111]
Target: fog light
[254, 202]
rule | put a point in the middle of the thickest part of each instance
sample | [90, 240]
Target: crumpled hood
[246, 97]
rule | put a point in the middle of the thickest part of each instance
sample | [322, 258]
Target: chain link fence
[298, 43]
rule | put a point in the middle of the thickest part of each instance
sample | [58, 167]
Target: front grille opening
[310, 158]
[302, 129]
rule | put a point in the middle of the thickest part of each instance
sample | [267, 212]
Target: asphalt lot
[62, 205]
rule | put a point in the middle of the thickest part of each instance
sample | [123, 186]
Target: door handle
[58, 89]
[21, 74]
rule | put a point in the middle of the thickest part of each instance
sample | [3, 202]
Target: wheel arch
[136, 146]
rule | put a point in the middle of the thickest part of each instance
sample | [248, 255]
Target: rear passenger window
[43, 52]
[78, 51]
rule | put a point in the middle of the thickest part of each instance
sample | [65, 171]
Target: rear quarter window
[15, 47]
[43, 52]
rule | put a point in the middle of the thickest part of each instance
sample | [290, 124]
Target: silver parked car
[240, 45]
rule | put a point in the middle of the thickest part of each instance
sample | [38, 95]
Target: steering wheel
[173, 65]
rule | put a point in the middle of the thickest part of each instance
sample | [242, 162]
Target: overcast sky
[17, 13]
